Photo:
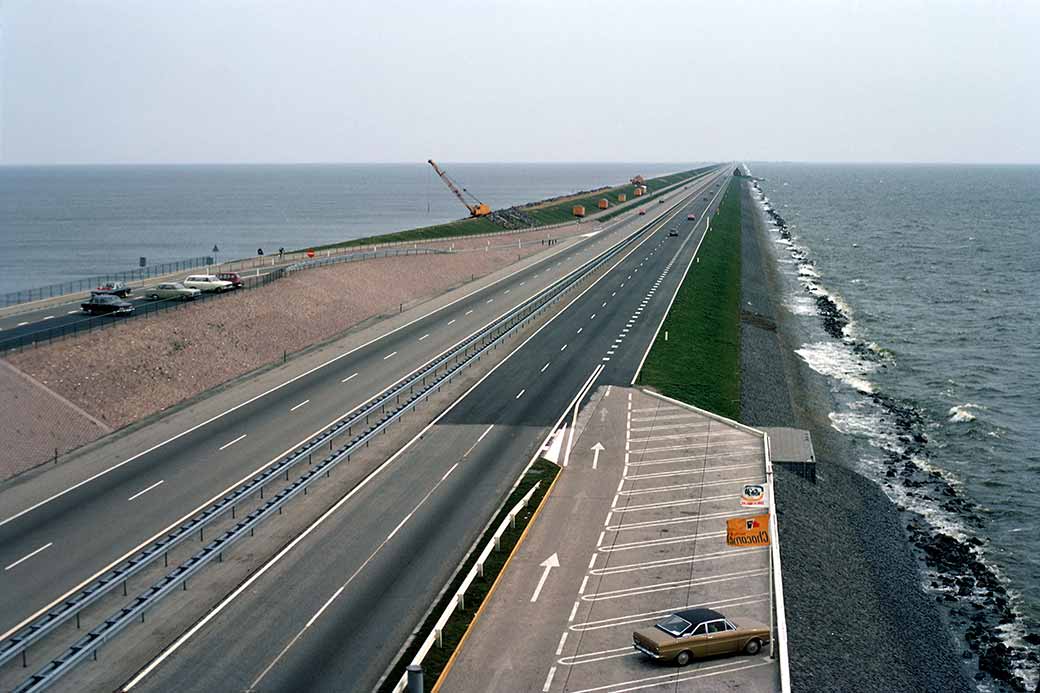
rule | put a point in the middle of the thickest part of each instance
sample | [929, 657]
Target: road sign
[754, 496]
[748, 531]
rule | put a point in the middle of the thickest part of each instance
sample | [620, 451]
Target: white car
[170, 290]
[207, 282]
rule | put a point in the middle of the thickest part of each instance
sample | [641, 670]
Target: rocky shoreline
[975, 600]
[858, 618]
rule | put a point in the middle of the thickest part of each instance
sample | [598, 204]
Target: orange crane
[477, 208]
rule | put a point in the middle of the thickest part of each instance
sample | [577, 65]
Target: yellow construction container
[578, 210]
[621, 197]
[603, 204]
[639, 192]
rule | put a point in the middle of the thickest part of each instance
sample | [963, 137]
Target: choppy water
[61, 222]
[917, 286]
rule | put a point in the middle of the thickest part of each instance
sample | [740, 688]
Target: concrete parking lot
[636, 524]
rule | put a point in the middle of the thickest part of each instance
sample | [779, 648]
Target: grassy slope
[544, 213]
[700, 362]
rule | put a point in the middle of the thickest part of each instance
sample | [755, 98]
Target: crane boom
[475, 210]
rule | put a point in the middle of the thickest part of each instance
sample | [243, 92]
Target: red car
[236, 281]
[691, 217]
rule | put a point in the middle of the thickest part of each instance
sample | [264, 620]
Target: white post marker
[596, 450]
[549, 563]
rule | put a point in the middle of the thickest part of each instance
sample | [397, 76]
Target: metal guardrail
[427, 379]
[13, 298]
[458, 599]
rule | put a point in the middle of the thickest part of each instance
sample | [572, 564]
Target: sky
[153, 81]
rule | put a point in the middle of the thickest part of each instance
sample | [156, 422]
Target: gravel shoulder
[857, 615]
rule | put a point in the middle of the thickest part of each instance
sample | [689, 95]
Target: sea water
[67, 222]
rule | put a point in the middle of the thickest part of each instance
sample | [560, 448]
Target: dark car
[120, 289]
[673, 233]
[106, 304]
[700, 633]
[236, 281]
[642, 212]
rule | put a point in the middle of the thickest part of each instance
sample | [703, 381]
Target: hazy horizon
[270, 82]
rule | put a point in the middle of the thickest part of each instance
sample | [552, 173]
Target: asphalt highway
[332, 613]
[53, 545]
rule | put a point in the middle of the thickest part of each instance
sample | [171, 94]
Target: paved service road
[334, 612]
[639, 531]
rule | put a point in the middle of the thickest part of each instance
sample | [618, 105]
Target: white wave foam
[962, 413]
[800, 305]
[836, 360]
[808, 271]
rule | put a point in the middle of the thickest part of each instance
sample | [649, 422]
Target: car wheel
[154, 297]
[753, 646]
[684, 658]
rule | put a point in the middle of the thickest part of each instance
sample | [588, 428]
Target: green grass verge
[700, 362]
[455, 628]
[543, 213]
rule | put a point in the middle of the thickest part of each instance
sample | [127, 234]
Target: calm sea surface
[937, 268]
[60, 222]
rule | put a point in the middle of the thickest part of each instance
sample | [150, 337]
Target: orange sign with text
[748, 531]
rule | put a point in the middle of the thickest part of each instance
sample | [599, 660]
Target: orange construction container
[578, 211]
[621, 197]
[603, 204]
[639, 192]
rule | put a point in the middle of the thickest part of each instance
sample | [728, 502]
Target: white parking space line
[675, 678]
[656, 543]
[675, 503]
[673, 585]
[677, 560]
[685, 487]
[225, 446]
[490, 300]
[548, 680]
[649, 616]
[451, 321]
[349, 377]
[468, 312]
[390, 355]
[590, 657]
[144, 491]
[299, 405]
[49, 544]
[563, 639]
[424, 336]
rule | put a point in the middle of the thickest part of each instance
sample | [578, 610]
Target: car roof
[696, 616]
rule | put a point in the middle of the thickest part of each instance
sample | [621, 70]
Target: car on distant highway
[207, 283]
[120, 289]
[699, 633]
[236, 281]
[691, 217]
[107, 304]
[673, 233]
[642, 212]
[660, 202]
[171, 290]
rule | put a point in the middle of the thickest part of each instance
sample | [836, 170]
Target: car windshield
[674, 625]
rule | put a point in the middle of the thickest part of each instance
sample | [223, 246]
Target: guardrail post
[462, 601]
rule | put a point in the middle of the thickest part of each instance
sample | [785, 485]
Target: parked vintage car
[207, 282]
[700, 633]
[120, 289]
[107, 304]
[172, 290]
[236, 281]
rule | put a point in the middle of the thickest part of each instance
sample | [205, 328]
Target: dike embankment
[858, 617]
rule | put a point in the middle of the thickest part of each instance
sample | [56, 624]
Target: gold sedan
[700, 633]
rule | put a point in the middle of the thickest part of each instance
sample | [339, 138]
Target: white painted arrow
[549, 563]
[603, 415]
[596, 450]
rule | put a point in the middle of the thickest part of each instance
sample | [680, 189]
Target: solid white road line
[142, 492]
[424, 336]
[451, 321]
[227, 445]
[563, 347]
[49, 317]
[520, 394]
[545, 366]
[390, 355]
[559, 648]
[22, 324]
[26, 557]
[580, 329]
[549, 679]
[349, 377]
[300, 405]
[468, 312]
[72, 312]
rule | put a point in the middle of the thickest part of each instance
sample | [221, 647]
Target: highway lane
[333, 612]
[88, 528]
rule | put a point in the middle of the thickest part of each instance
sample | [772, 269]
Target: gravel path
[127, 372]
[857, 617]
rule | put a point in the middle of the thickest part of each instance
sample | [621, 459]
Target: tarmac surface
[636, 524]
